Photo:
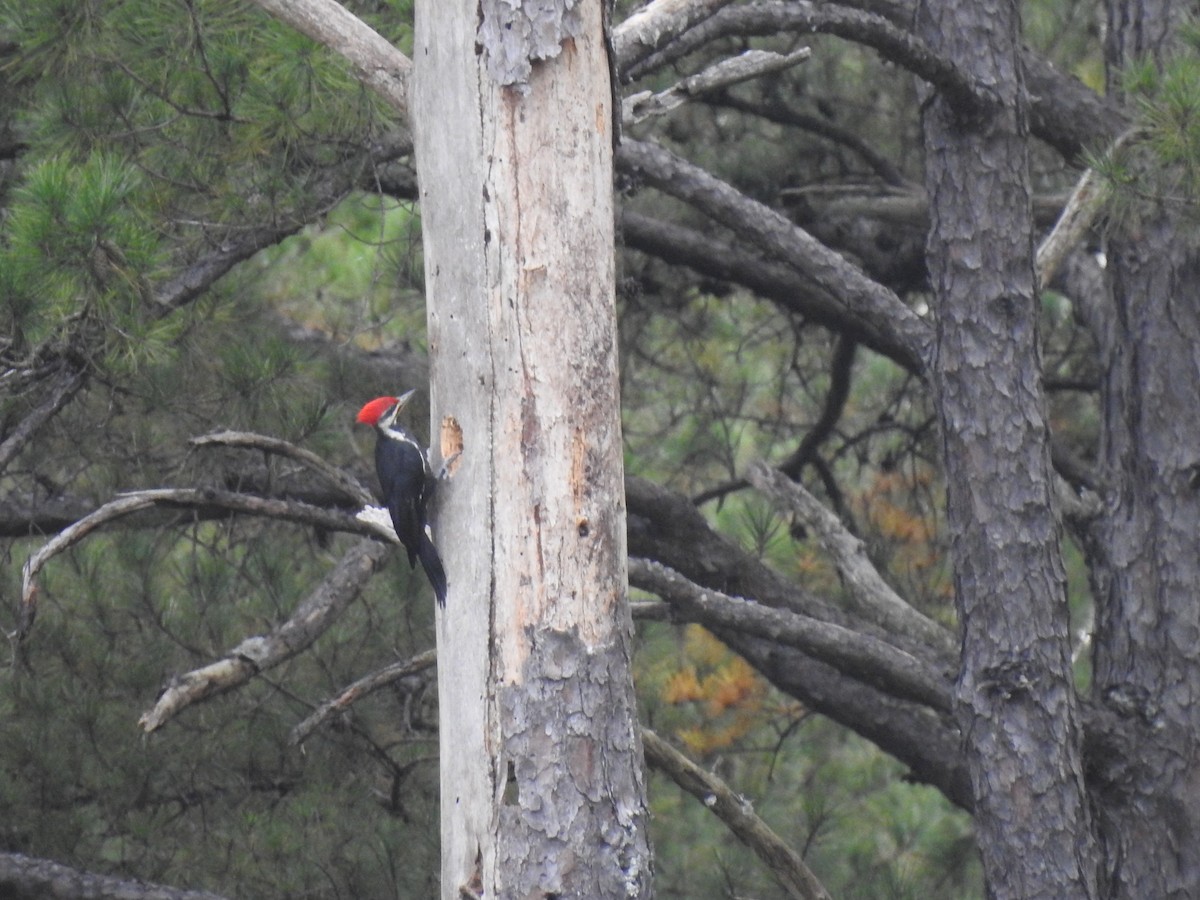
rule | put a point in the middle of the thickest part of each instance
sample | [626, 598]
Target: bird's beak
[389, 417]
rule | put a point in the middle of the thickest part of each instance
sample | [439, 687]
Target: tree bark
[1016, 706]
[1147, 643]
[542, 791]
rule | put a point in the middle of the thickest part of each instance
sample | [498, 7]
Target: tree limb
[261, 652]
[337, 478]
[655, 24]
[874, 597]
[891, 42]
[860, 656]
[796, 878]
[204, 498]
[925, 741]
[725, 73]
[324, 193]
[29, 878]
[1078, 215]
[778, 236]
[666, 527]
[378, 64]
[704, 253]
[1064, 112]
[361, 688]
[70, 380]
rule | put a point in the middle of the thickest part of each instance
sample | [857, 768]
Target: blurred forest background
[208, 224]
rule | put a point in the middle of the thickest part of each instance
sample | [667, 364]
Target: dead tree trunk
[542, 791]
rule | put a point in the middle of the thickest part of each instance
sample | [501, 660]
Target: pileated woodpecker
[407, 483]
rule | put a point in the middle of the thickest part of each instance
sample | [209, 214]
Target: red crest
[369, 414]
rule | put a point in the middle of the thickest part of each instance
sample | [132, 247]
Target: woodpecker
[407, 482]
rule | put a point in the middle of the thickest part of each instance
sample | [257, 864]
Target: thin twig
[334, 476]
[126, 504]
[738, 815]
[361, 688]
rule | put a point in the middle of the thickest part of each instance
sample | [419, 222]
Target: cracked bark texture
[1015, 700]
[1147, 542]
[542, 791]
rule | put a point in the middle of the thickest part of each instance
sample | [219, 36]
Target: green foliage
[155, 131]
[1158, 163]
[219, 799]
[75, 253]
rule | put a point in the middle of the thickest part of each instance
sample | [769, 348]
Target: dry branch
[868, 659]
[260, 652]
[656, 24]
[322, 192]
[378, 64]
[738, 815]
[362, 688]
[726, 73]
[185, 498]
[29, 878]
[874, 597]
[892, 43]
[70, 380]
[1078, 215]
[334, 476]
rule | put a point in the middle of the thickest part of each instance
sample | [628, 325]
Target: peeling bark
[542, 791]
[514, 36]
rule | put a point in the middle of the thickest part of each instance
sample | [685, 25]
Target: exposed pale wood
[540, 752]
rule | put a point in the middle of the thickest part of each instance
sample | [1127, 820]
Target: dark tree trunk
[1016, 706]
[1147, 569]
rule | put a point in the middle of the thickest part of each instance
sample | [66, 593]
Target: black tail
[432, 564]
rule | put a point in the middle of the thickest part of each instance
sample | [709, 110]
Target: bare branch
[726, 73]
[28, 878]
[70, 380]
[1080, 213]
[256, 654]
[378, 64]
[707, 254]
[337, 478]
[1064, 112]
[202, 498]
[657, 23]
[861, 656]
[891, 42]
[324, 193]
[738, 815]
[361, 688]
[778, 236]
[874, 598]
